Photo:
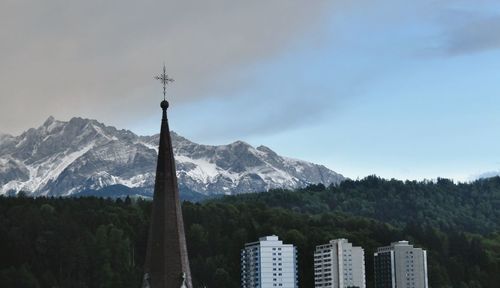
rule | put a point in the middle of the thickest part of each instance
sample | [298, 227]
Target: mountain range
[86, 157]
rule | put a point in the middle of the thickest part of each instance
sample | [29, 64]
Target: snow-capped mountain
[67, 158]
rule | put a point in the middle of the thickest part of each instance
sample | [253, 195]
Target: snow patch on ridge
[103, 179]
[149, 146]
[41, 173]
[204, 170]
[100, 132]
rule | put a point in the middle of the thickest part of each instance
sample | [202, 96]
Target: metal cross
[165, 80]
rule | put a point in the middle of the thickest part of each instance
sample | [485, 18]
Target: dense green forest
[469, 207]
[95, 242]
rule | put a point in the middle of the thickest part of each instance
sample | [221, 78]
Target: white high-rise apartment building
[269, 263]
[338, 264]
[400, 265]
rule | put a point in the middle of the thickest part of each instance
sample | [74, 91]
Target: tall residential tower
[400, 265]
[338, 264]
[269, 263]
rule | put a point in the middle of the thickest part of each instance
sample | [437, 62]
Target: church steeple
[167, 264]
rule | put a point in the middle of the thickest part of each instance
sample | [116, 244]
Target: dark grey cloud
[96, 58]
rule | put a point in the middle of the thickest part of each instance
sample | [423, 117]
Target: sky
[400, 89]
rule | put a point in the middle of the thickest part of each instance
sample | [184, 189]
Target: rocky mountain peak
[49, 121]
[81, 155]
[266, 150]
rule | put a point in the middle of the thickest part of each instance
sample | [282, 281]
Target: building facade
[400, 265]
[338, 264]
[269, 263]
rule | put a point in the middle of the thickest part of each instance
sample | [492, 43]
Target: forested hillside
[91, 242]
[471, 207]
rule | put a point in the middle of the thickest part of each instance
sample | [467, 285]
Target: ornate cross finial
[165, 80]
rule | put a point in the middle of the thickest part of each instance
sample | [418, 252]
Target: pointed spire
[167, 264]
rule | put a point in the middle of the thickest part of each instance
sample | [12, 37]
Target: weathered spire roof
[167, 264]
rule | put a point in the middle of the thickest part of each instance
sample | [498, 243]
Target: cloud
[472, 33]
[96, 58]
[461, 27]
[259, 117]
